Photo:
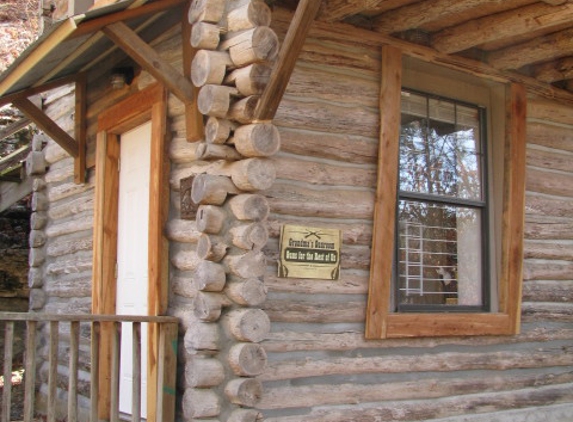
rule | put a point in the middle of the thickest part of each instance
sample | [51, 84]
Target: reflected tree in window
[440, 206]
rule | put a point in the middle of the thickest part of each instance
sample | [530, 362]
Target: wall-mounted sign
[308, 252]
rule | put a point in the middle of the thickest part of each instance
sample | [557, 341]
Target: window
[442, 210]
[448, 223]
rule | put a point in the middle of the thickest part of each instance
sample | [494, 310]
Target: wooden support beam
[513, 207]
[193, 118]
[80, 128]
[292, 45]
[386, 194]
[501, 25]
[46, 124]
[126, 39]
[557, 44]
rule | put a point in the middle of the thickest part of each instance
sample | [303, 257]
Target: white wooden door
[132, 258]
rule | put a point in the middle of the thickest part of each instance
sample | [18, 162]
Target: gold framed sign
[309, 252]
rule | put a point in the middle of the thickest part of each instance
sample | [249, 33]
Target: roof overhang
[77, 44]
[92, 42]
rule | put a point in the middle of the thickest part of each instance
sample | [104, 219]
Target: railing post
[167, 371]
[73, 371]
[30, 371]
[95, 366]
[115, 368]
[8, 352]
[53, 370]
[136, 370]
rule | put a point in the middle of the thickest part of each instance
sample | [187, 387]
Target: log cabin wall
[320, 368]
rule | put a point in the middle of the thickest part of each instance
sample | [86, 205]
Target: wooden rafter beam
[46, 124]
[80, 128]
[416, 15]
[135, 47]
[334, 10]
[554, 71]
[502, 25]
[292, 45]
[540, 49]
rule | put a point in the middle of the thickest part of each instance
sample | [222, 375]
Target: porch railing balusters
[30, 371]
[53, 370]
[8, 352]
[115, 368]
[166, 326]
[73, 371]
[94, 370]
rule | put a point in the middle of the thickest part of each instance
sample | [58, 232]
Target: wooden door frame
[149, 104]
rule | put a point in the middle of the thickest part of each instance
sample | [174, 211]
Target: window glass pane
[440, 254]
[440, 151]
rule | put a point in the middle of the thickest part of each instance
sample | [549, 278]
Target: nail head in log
[206, 11]
[205, 35]
[217, 131]
[210, 277]
[200, 403]
[209, 67]
[247, 359]
[248, 324]
[253, 174]
[202, 336]
[211, 189]
[249, 207]
[255, 45]
[257, 140]
[215, 100]
[204, 372]
[244, 391]
[254, 13]
[210, 219]
[250, 80]
[247, 292]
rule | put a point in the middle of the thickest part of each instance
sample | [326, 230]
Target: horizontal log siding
[320, 366]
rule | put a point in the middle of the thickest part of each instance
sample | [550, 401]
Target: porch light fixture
[121, 76]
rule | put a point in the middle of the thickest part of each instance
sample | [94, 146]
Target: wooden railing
[69, 326]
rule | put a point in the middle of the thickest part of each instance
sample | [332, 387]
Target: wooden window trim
[149, 104]
[381, 322]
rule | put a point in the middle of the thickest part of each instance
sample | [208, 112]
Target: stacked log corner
[235, 49]
[36, 168]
